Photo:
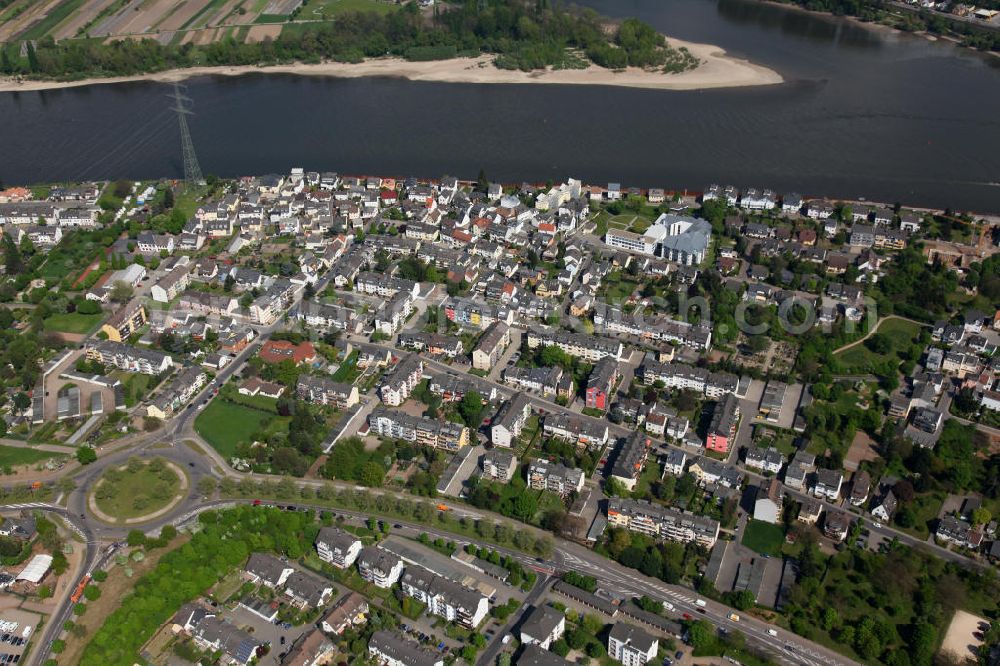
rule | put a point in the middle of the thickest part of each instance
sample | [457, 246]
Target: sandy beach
[716, 70]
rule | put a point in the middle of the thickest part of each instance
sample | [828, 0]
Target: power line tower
[192, 171]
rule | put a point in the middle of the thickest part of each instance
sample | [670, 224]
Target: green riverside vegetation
[522, 35]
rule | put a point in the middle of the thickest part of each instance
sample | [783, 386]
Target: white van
[772, 632]
[700, 603]
[667, 606]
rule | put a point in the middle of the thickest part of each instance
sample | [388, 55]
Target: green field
[138, 489]
[10, 455]
[225, 425]
[72, 322]
[320, 9]
[764, 538]
[860, 358]
[54, 18]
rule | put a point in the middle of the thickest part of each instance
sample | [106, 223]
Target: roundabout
[138, 492]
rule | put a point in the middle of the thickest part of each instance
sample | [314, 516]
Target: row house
[587, 347]
[431, 343]
[385, 286]
[557, 478]
[657, 328]
[426, 432]
[149, 243]
[474, 314]
[683, 377]
[662, 522]
[576, 429]
[388, 648]
[178, 393]
[765, 460]
[451, 388]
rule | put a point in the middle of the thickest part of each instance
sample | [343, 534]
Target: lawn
[900, 333]
[764, 538]
[348, 370]
[324, 9]
[10, 455]
[225, 425]
[72, 322]
[136, 490]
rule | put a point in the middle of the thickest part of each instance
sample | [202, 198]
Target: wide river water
[863, 113]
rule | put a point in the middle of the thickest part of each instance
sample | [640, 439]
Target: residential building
[171, 285]
[827, 484]
[630, 459]
[126, 322]
[540, 380]
[323, 391]
[499, 465]
[836, 525]
[860, 488]
[431, 343]
[445, 598]
[349, 611]
[587, 347]
[577, 429]
[177, 393]
[662, 522]
[506, 427]
[379, 567]
[491, 346]
[128, 358]
[388, 648]
[631, 646]
[475, 314]
[710, 471]
[674, 462]
[264, 569]
[307, 590]
[766, 460]
[420, 430]
[393, 314]
[545, 475]
[399, 382]
[954, 530]
[543, 626]
[337, 547]
[722, 428]
[767, 505]
[601, 383]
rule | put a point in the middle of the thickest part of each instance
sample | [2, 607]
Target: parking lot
[264, 630]
[17, 627]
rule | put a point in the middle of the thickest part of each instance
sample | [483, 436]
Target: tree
[981, 516]
[471, 409]
[229, 283]
[372, 475]
[21, 401]
[701, 634]
[85, 455]
[121, 292]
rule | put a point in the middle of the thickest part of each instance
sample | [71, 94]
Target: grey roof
[336, 539]
[632, 635]
[434, 585]
[532, 655]
[266, 567]
[400, 649]
[541, 621]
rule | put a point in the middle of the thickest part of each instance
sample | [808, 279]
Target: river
[864, 113]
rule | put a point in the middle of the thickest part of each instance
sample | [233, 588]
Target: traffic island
[138, 491]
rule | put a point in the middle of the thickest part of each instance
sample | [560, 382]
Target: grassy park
[11, 456]
[72, 322]
[225, 425]
[891, 340]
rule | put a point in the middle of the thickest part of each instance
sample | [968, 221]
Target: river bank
[716, 69]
